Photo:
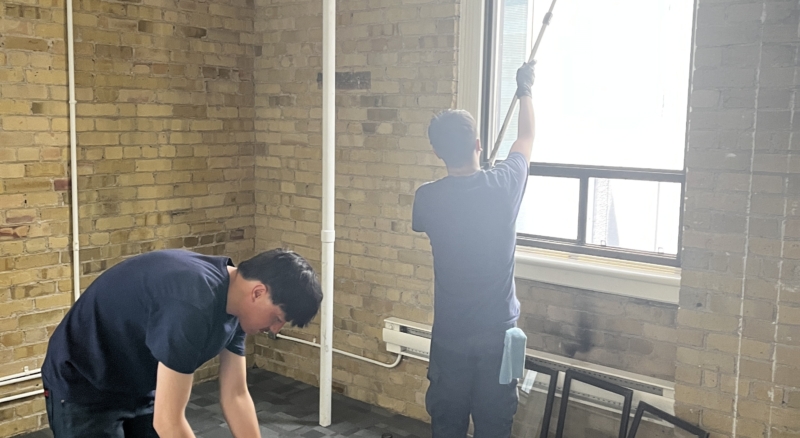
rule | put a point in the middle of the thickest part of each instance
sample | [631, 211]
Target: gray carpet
[287, 408]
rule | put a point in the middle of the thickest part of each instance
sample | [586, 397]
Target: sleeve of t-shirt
[418, 211]
[174, 335]
[236, 345]
[512, 174]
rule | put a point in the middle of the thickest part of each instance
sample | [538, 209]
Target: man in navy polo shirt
[120, 364]
[470, 217]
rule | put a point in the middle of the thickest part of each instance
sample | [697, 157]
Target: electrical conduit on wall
[328, 235]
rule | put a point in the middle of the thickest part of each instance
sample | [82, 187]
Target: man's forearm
[174, 428]
[526, 124]
[240, 413]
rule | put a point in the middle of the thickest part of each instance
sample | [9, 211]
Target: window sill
[630, 279]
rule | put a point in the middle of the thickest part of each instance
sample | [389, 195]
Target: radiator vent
[636, 385]
[413, 339]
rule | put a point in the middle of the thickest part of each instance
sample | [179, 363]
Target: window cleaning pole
[514, 101]
[328, 235]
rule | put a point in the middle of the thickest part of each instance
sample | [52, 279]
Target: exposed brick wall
[739, 322]
[615, 331]
[165, 132]
[35, 270]
[408, 52]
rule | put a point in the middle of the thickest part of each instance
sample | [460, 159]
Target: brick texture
[199, 126]
[408, 53]
[383, 268]
[166, 153]
[737, 362]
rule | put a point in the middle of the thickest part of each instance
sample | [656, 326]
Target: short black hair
[292, 282]
[452, 134]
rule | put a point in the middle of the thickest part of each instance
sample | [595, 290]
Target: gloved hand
[525, 76]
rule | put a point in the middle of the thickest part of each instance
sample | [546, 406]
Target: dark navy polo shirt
[163, 306]
[471, 223]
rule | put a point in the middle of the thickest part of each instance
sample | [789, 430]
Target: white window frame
[631, 279]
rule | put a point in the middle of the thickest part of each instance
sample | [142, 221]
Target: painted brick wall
[739, 322]
[165, 129]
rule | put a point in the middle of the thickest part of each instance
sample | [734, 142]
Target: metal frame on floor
[626, 393]
[675, 421]
[551, 392]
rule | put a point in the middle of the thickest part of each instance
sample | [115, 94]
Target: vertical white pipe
[328, 196]
[73, 152]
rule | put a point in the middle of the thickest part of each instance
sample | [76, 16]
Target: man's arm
[526, 125]
[237, 405]
[172, 395]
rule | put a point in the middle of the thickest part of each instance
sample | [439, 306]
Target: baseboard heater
[413, 339]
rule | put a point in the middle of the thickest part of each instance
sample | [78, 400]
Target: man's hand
[172, 395]
[525, 76]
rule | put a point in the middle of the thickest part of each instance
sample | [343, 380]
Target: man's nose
[275, 328]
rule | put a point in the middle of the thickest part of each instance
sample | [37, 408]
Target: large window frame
[581, 173]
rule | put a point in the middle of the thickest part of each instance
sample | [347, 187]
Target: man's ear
[259, 290]
[478, 145]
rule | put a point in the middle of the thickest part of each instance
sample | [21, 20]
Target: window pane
[637, 215]
[550, 207]
[512, 48]
[611, 83]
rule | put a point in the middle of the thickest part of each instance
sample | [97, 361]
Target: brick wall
[165, 134]
[396, 64]
[615, 331]
[739, 323]
[35, 272]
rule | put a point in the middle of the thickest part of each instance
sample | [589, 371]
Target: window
[611, 93]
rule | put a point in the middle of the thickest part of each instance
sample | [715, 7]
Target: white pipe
[328, 235]
[345, 353]
[19, 396]
[19, 379]
[73, 149]
[24, 373]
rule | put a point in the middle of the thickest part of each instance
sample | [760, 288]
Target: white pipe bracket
[328, 236]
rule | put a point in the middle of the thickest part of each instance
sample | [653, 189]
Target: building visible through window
[611, 104]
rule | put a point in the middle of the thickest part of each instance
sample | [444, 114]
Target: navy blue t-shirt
[471, 223]
[163, 306]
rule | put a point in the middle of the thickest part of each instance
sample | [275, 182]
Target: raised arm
[526, 125]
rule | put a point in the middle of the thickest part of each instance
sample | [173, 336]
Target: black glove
[525, 76]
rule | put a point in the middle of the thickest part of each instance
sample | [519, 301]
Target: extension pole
[545, 23]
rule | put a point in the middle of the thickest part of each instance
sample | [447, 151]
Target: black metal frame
[551, 393]
[675, 421]
[626, 393]
[583, 173]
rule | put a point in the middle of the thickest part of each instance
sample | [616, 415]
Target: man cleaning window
[470, 216]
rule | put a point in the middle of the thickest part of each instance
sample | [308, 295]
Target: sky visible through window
[611, 89]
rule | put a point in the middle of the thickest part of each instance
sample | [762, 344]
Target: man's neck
[230, 305]
[467, 170]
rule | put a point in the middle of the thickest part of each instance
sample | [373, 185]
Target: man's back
[470, 221]
[163, 306]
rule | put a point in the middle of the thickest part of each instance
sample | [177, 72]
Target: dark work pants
[118, 419]
[464, 376]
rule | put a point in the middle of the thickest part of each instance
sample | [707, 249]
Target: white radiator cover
[413, 339]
